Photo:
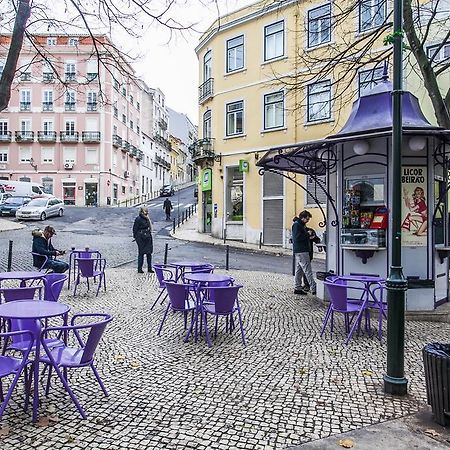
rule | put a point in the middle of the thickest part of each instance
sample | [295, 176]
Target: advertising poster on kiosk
[414, 206]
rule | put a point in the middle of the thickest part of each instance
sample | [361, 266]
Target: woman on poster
[418, 211]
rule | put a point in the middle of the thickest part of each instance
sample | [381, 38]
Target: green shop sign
[243, 165]
[206, 180]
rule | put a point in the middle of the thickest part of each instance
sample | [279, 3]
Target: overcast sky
[171, 64]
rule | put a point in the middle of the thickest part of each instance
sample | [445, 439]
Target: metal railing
[47, 136]
[206, 90]
[69, 136]
[24, 136]
[47, 106]
[25, 106]
[91, 136]
[5, 136]
[116, 140]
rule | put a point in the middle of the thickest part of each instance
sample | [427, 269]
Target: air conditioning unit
[68, 165]
[126, 174]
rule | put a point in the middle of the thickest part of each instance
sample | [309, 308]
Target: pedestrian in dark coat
[167, 207]
[142, 233]
[313, 239]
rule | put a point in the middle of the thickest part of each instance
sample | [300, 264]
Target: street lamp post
[394, 380]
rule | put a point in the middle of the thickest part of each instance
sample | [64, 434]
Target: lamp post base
[395, 386]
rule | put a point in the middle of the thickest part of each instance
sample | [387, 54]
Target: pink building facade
[72, 124]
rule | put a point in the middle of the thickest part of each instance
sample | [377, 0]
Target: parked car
[3, 197]
[166, 191]
[41, 208]
[12, 204]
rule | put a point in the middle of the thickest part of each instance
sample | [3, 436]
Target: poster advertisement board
[414, 206]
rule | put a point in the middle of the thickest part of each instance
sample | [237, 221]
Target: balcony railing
[163, 124]
[126, 146]
[25, 106]
[133, 150]
[91, 76]
[47, 106]
[202, 149]
[47, 136]
[162, 141]
[69, 106]
[91, 137]
[24, 136]
[116, 140]
[206, 90]
[5, 136]
[140, 155]
[48, 76]
[69, 136]
[71, 76]
[26, 76]
[92, 106]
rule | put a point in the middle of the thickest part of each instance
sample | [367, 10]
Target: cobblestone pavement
[286, 387]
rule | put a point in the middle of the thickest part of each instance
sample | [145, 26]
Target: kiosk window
[371, 189]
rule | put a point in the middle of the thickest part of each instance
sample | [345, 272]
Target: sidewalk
[188, 232]
[9, 225]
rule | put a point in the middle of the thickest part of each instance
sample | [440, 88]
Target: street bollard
[166, 249]
[173, 225]
[10, 248]
[227, 258]
[182, 217]
[178, 220]
[260, 240]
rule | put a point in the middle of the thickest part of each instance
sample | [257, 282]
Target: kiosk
[356, 162]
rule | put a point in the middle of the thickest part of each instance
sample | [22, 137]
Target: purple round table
[21, 275]
[180, 266]
[34, 309]
[204, 278]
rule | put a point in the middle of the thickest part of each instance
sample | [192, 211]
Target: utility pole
[394, 380]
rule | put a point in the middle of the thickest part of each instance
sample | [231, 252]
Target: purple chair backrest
[23, 324]
[178, 294]
[207, 268]
[162, 274]
[338, 295]
[86, 266]
[94, 337]
[53, 286]
[20, 293]
[224, 297]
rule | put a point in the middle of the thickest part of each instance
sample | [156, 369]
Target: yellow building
[249, 104]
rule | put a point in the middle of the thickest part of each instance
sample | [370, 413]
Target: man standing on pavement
[42, 246]
[301, 246]
[167, 207]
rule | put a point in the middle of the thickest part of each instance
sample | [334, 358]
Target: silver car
[41, 208]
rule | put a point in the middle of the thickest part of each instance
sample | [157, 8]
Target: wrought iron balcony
[25, 76]
[116, 140]
[71, 76]
[69, 136]
[24, 136]
[126, 146]
[202, 149]
[162, 141]
[5, 136]
[48, 76]
[47, 136]
[91, 76]
[206, 90]
[69, 106]
[133, 150]
[25, 106]
[91, 137]
[140, 155]
[47, 106]
[92, 106]
[163, 124]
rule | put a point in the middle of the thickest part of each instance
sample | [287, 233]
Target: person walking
[313, 239]
[167, 207]
[42, 247]
[301, 238]
[142, 233]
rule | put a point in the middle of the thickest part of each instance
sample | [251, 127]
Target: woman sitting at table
[42, 245]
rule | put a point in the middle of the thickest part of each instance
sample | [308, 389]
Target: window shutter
[272, 185]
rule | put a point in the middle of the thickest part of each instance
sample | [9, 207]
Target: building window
[116, 84]
[47, 184]
[235, 53]
[47, 155]
[70, 101]
[47, 100]
[207, 124]
[138, 129]
[70, 127]
[3, 155]
[3, 127]
[138, 106]
[235, 194]
[207, 65]
[25, 100]
[73, 42]
[47, 127]
[319, 25]
[131, 124]
[47, 73]
[51, 41]
[274, 110]
[24, 155]
[313, 190]
[114, 158]
[368, 79]
[372, 14]
[441, 55]
[92, 101]
[319, 101]
[131, 100]
[124, 118]
[124, 91]
[274, 40]
[91, 156]
[235, 118]
[25, 71]
[2, 66]
[70, 72]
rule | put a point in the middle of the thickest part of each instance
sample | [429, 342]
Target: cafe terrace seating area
[193, 355]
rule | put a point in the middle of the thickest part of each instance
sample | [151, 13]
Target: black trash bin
[436, 360]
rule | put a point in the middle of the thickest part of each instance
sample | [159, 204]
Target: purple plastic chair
[163, 272]
[20, 293]
[181, 299]
[53, 286]
[90, 268]
[340, 303]
[378, 302]
[65, 357]
[15, 366]
[223, 301]
[41, 267]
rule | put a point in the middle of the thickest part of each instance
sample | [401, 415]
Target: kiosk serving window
[370, 187]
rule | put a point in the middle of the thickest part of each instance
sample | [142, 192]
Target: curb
[6, 225]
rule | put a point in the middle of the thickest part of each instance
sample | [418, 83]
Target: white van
[22, 188]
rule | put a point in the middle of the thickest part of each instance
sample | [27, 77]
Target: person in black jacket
[167, 207]
[313, 239]
[142, 233]
[301, 240]
[42, 245]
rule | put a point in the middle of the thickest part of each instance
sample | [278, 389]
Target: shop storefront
[206, 188]
[69, 192]
[356, 163]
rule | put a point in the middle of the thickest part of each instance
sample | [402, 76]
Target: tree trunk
[9, 71]
[441, 110]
